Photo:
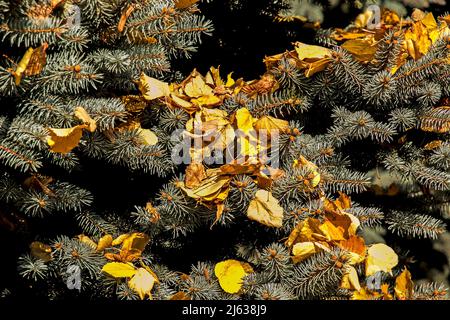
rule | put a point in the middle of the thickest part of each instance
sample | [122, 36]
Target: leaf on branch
[152, 88]
[230, 274]
[265, 209]
[82, 114]
[119, 269]
[142, 283]
[403, 285]
[65, 140]
[41, 251]
[380, 257]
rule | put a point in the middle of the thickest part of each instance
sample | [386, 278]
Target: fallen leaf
[152, 88]
[148, 137]
[119, 269]
[65, 140]
[404, 285]
[82, 114]
[104, 242]
[265, 209]
[142, 283]
[230, 274]
[380, 257]
[195, 173]
[350, 279]
[182, 4]
[41, 251]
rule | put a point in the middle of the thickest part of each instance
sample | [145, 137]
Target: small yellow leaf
[104, 242]
[244, 120]
[380, 257]
[195, 173]
[142, 283]
[230, 274]
[65, 140]
[350, 279]
[119, 269]
[82, 114]
[265, 209]
[149, 138]
[152, 88]
[87, 240]
[120, 239]
[209, 101]
[136, 241]
[303, 250]
[22, 65]
[270, 123]
[311, 52]
[182, 4]
[197, 87]
[404, 285]
[41, 251]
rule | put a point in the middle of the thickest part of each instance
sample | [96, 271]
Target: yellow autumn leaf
[230, 81]
[244, 120]
[65, 140]
[195, 173]
[303, 250]
[380, 257]
[182, 4]
[22, 66]
[88, 241]
[41, 251]
[270, 123]
[311, 53]
[120, 239]
[315, 175]
[181, 103]
[365, 294]
[362, 49]
[207, 100]
[104, 242]
[135, 241]
[142, 283]
[404, 285]
[82, 114]
[119, 269]
[148, 137]
[265, 209]
[197, 87]
[350, 279]
[230, 274]
[152, 88]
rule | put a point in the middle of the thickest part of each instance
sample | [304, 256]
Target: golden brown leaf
[404, 285]
[41, 251]
[380, 257]
[142, 283]
[152, 88]
[82, 114]
[265, 209]
[104, 242]
[65, 140]
[195, 173]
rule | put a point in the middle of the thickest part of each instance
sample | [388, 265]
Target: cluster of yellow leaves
[65, 140]
[210, 187]
[230, 274]
[141, 279]
[334, 227]
[419, 33]
[194, 92]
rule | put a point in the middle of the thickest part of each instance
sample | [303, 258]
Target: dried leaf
[270, 123]
[148, 137]
[362, 49]
[22, 66]
[152, 88]
[182, 4]
[88, 241]
[119, 269]
[230, 274]
[350, 280]
[65, 140]
[123, 18]
[82, 114]
[135, 241]
[195, 173]
[142, 283]
[41, 251]
[104, 242]
[404, 285]
[380, 257]
[265, 209]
